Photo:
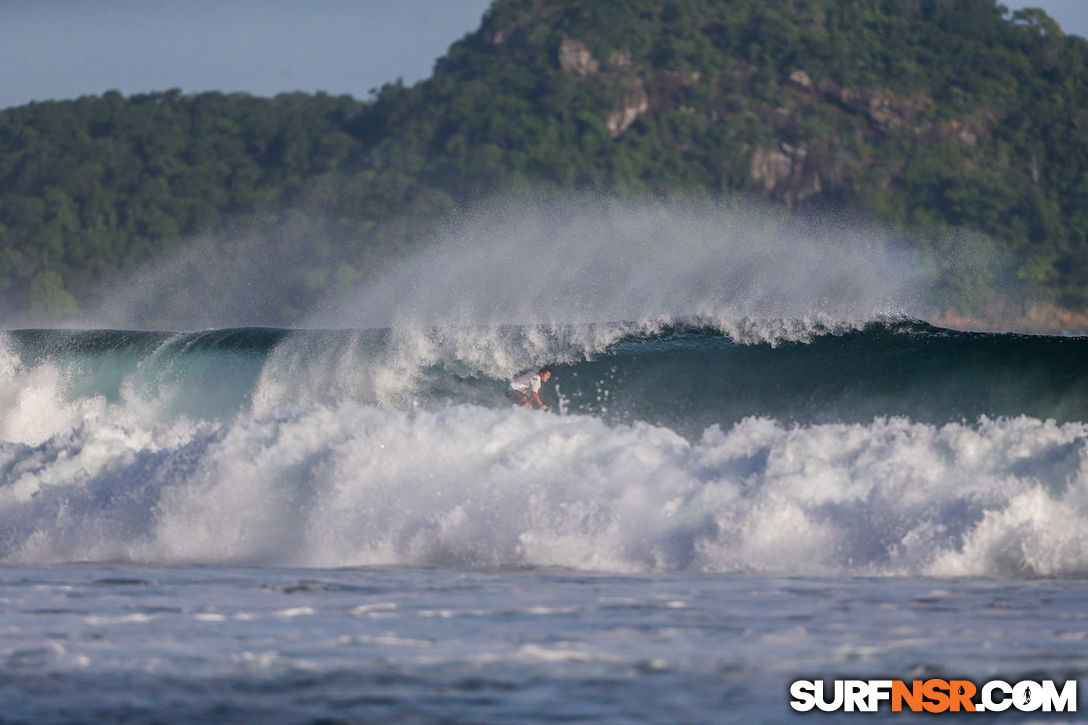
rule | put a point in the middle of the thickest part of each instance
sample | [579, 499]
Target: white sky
[60, 49]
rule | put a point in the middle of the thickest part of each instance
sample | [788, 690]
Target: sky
[62, 49]
[1072, 15]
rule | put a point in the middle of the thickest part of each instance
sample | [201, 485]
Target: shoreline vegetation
[957, 124]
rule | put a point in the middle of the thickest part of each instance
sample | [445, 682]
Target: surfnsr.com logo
[933, 695]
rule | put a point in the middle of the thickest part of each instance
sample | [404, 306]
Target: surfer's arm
[539, 404]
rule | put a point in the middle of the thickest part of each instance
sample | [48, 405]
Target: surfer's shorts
[516, 396]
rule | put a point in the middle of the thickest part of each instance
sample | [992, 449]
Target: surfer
[524, 389]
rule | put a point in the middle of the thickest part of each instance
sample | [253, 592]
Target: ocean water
[267, 525]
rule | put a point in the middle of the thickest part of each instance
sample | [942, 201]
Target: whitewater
[679, 450]
[757, 466]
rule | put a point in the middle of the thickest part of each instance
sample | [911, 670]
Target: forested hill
[941, 118]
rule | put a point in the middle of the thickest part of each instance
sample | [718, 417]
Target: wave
[685, 375]
[885, 448]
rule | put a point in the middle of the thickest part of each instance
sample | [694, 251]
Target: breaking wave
[884, 448]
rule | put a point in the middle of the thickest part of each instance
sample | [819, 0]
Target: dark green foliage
[946, 119]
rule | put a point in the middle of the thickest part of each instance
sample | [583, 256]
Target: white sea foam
[298, 371]
[350, 484]
[54, 396]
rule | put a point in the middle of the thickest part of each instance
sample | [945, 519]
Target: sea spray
[598, 261]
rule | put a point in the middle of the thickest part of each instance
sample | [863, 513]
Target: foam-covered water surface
[467, 486]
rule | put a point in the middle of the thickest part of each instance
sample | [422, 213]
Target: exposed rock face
[800, 79]
[954, 130]
[575, 57]
[793, 171]
[632, 103]
[619, 59]
[770, 167]
[789, 174]
[884, 111]
[662, 92]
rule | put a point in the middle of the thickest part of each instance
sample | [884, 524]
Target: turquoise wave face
[680, 376]
[201, 375]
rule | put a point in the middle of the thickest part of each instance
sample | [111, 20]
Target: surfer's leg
[517, 397]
